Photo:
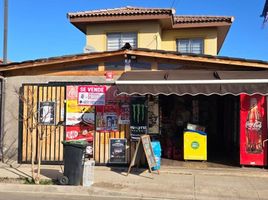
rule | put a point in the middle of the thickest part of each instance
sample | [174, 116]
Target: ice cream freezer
[195, 145]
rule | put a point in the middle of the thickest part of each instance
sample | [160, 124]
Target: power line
[173, 2]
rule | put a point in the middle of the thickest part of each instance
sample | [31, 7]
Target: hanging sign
[91, 95]
[118, 150]
[109, 76]
[138, 117]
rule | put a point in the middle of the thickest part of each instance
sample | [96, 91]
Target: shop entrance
[219, 115]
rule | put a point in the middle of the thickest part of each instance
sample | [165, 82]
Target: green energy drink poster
[138, 117]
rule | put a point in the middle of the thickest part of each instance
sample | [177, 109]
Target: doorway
[218, 115]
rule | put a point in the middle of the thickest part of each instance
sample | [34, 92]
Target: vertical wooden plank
[25, 124]
[62, 131]
[117, 135]
[102, 147]
[112, 135]
[44, 134]
[48, 130]
[106, 149]
[40, 98]
[29, 120]
[35, 117]
[97, 147]
[53, 128]
[57, 131]
[122, 131]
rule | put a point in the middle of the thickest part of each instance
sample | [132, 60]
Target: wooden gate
[30, 98]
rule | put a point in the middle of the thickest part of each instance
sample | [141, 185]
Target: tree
[31, 120]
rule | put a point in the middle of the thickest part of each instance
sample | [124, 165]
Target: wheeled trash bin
[74, 154]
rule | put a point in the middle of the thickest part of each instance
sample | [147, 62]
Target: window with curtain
[190, 46]
[116, 41]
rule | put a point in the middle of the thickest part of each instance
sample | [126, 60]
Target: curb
[73, 191]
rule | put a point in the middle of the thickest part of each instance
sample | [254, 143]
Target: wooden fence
[52, 149]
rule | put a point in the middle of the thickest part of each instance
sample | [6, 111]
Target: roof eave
[82, 22]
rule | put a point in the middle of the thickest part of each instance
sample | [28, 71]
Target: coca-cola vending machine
[253, 130]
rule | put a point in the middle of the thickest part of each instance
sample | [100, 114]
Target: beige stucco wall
[151, 35]
[11, 109]
[209, 35]
[148, 34]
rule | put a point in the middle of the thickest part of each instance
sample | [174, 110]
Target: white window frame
[190, 41]
[121, 43]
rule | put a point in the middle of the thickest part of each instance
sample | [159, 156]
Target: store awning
[193, 82]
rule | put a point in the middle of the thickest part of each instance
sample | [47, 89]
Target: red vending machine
[253, 130]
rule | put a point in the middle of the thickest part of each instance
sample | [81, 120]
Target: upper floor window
[190, 46]
[116, 41]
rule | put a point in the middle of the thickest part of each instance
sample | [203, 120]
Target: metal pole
[5, 31]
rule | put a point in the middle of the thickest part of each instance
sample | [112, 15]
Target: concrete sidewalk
[172, 183]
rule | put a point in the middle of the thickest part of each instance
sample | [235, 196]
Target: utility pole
[5, 31]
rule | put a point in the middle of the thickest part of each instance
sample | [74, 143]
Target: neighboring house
[153, 28]
[171, 68]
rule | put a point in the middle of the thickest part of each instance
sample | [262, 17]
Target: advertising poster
[253, 130]
[91, 95]
[113, 97]
[47, 113]
[118, 150]
[79, 132]
[138, 117]
[80, 119]
[124, 117]
[107, 118]
[75, 113]
[153, 115]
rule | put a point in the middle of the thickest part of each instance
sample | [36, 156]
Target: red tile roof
[134, 11]
[121, 11]
[201, 19]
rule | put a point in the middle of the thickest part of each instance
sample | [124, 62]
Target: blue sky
[39, 28]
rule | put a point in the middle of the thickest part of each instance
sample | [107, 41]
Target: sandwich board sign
[144, 146]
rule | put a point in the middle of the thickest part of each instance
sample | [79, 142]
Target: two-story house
[143, 71]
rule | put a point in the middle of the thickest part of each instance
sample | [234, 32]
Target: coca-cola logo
[256, 126]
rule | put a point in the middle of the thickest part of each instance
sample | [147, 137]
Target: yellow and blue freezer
[195, 145]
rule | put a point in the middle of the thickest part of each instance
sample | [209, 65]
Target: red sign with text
[253, 130]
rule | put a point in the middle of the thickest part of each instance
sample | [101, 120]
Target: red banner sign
[91, 95]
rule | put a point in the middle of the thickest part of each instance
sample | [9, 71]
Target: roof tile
[121, 11]
[201, 19]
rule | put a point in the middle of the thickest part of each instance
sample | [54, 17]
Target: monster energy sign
[138, 116]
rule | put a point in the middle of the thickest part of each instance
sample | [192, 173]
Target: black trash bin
[74, 154]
